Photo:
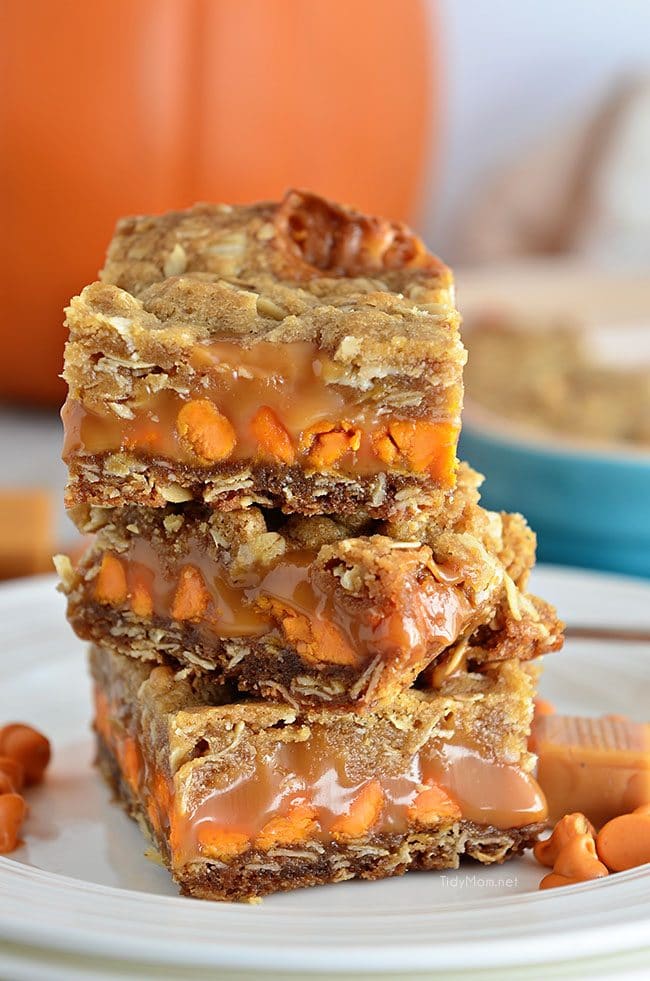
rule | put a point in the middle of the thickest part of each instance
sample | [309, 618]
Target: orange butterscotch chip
[433, 805]
[569, 827]
[314, 638]
[141, 601]
[298, 824]
[207, 431]
[102, 715]
[272, 438]
[7, 786]
[28, 747]
[140, 580]
[386, 442]
[191, 598]
[110, 585]
[577, 861]
[385, 448]
[12, 813]
[130, 762]
[554, 879]
[159, 804]
[12, 775]
[153, 813]
[328, 442]
[624, 842]
[162, 790]
[363, 813]
[425, 447]
[218, 842]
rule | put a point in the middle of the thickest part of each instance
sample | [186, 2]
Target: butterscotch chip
[141, 601]
[110, 584]
[207, 430]
[272, 437]
[624, 842]
[329, 442]
[191, 599]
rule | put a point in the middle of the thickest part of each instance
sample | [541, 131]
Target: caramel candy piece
[541, 707]
[26, 532]
[600, 767]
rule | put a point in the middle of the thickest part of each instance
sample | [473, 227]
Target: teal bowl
[589, 506]
[588, 502]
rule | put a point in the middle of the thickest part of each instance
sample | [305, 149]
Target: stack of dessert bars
[312, 649]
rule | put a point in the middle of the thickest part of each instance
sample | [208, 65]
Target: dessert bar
[549, 376]
[296, 355]
[250, 798]
[310, 610]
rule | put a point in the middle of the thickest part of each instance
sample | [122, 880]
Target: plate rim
[569, 944]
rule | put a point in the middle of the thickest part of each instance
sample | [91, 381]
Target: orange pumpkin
[112, 107]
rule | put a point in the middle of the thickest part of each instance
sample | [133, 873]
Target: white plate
[81, 886]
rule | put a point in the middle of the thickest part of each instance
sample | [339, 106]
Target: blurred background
[513, 135]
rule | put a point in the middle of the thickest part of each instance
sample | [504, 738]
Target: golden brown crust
[303, 238]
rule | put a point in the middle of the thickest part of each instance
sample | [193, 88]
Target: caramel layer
[278, 403]
[600, 767]
[302, 791]
[409, 626]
